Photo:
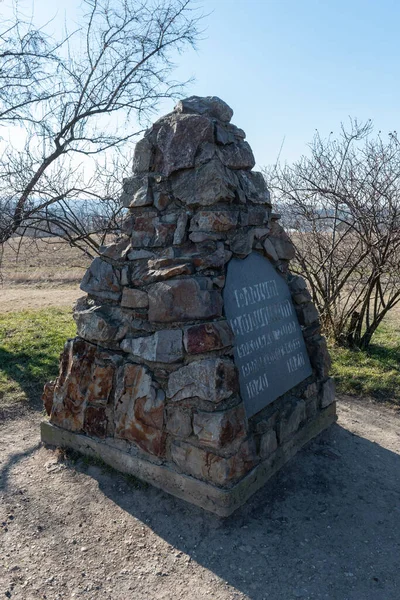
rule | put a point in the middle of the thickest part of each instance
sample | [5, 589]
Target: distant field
[48, 263]
[37, 274]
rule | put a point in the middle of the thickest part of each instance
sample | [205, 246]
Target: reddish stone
[99, 388]
[47, 396]
[207, 337]
[139, 408]
[95, 422]
[182, 300]
[84, 378]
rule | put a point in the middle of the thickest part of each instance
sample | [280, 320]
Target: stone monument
[198, 365]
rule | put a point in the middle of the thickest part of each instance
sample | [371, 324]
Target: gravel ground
[326, 527]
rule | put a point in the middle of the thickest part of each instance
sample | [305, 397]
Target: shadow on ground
[18, 367]
[326, 526]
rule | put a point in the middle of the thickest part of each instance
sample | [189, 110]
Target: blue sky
[289, 67]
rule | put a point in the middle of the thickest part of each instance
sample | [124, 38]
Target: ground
[327, 526]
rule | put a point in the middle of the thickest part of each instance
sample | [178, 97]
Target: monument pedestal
[220, 501]
[199, 364]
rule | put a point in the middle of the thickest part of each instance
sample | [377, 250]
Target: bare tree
[342, 205]
[76, 103]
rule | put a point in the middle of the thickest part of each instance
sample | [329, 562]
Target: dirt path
[326, 527]
[33, 298]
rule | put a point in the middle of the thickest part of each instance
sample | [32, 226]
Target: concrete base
[221, 501]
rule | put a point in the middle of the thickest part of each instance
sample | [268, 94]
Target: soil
[327, 526]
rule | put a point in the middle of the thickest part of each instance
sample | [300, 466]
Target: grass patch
[30, 346]
[374, 373]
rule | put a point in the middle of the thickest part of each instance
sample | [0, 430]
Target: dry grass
[44, 263]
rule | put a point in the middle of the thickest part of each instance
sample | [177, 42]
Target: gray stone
[142, 156]
[143, 197]
[307, 314]
[297, 284]
[242, 243]
[206, 151]
[258, 216]
[205, 185]
[260, 233]
[101, 324]
[182, 300]
[163, 346]
[319, 356]
[214, 221]
[217, 429]
[178, 421]
[180, 231]
[140, 254]
[237, 156]
[212, 106]
[150, 231]
[237, 132]
[132, 298]
[302, 298]
[223, 135]
[312, 405]
[178, 138]
[268, 444]
[254, 187]
[270, 251]
[118, 250]
[293, 416]
[284, 247]
[213, 379]
[310, 390]
[202, 236]
[136, 191]
[101, 279]
[328, 393]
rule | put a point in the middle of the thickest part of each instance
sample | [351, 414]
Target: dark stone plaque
[270, 352]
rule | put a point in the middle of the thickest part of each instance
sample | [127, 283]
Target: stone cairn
[149, 383]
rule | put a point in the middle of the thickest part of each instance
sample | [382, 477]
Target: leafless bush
[342, 205]
[78, 104]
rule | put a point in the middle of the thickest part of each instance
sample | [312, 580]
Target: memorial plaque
[270, 352]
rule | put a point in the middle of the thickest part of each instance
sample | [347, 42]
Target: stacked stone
[152, 371]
